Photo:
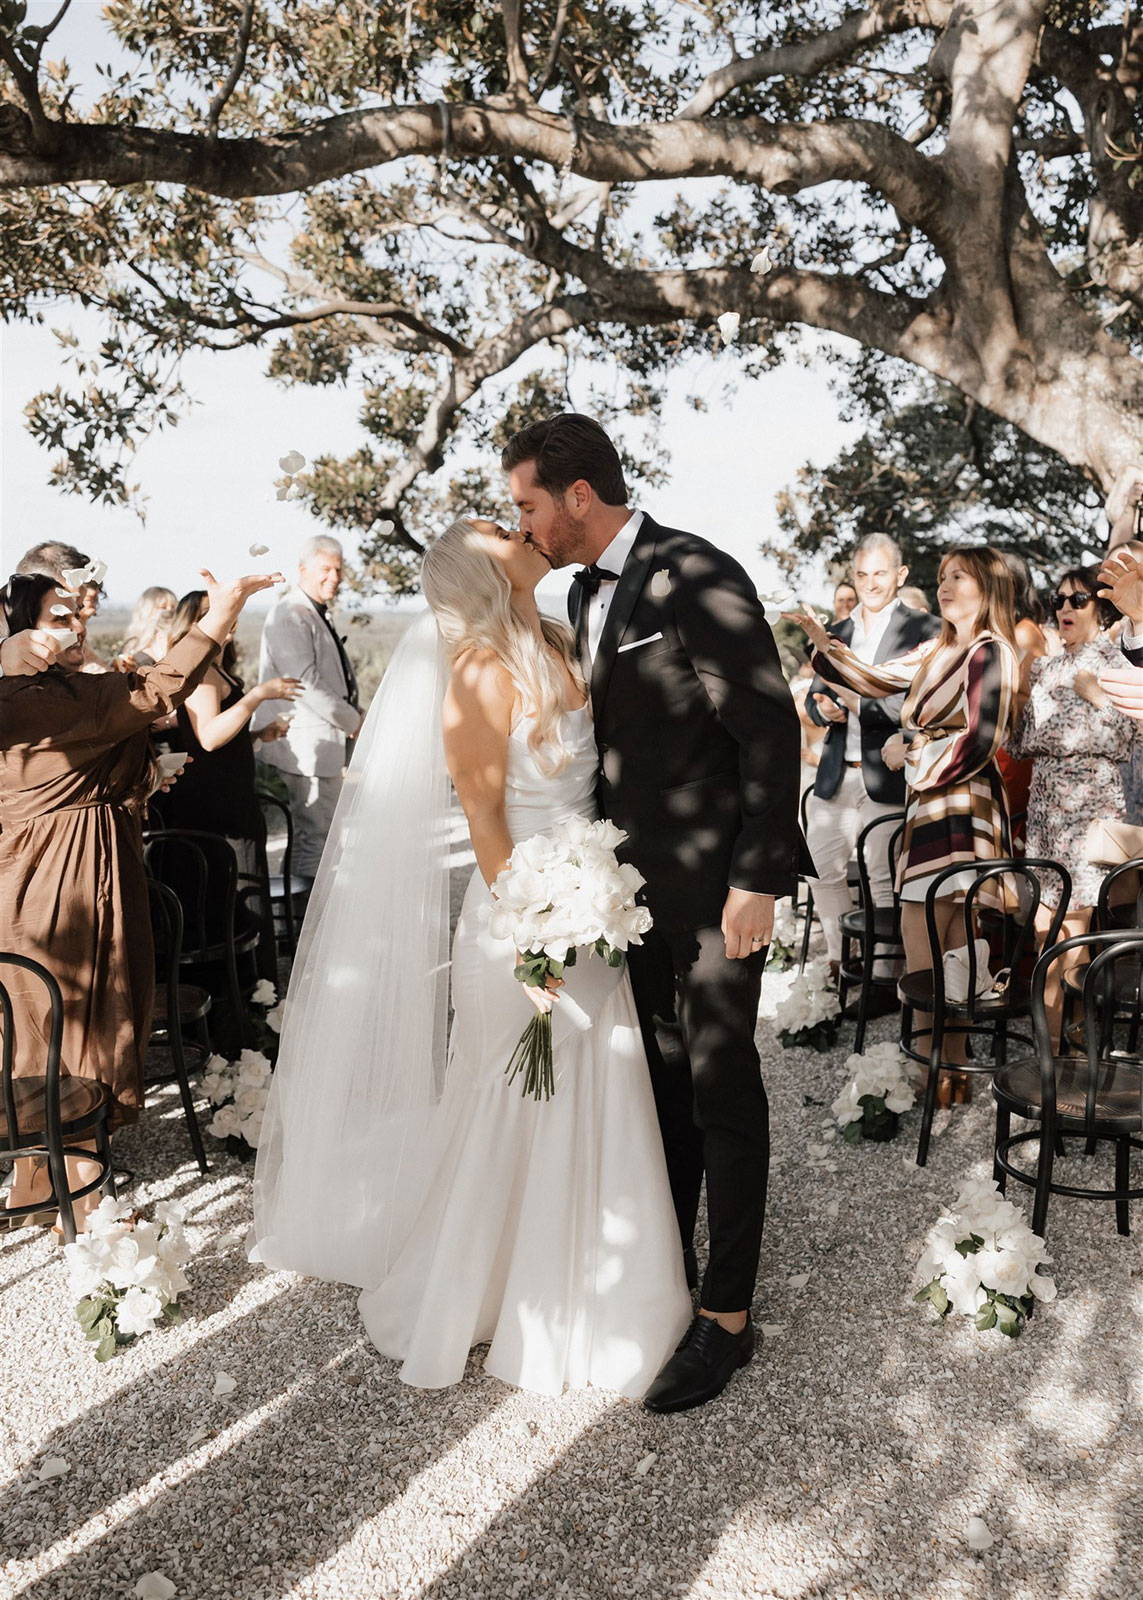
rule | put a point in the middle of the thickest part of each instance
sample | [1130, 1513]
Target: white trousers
[832, 827]
[312, 803]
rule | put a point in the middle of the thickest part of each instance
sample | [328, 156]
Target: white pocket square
[635, 643]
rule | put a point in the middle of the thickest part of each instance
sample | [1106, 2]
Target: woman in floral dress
[1078, 740]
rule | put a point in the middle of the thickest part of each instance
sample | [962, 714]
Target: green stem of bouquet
[533, 1057]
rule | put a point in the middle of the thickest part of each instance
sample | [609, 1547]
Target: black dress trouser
[698, 1012]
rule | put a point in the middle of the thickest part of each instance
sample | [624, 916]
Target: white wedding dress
[547, 1229]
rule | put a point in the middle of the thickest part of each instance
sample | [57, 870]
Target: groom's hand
[747, 922]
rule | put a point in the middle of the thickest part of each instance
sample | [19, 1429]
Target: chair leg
[57, 1170]
[1003, 1129]
[930, 1103]
[1044, 1178]
[806, 930]
[868, 950]
[1122, 1184]
[178, 1057]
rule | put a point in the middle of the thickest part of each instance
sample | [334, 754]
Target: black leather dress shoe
[701, 1367]
[690, 1267]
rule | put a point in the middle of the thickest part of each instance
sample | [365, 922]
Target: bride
[396, 1155]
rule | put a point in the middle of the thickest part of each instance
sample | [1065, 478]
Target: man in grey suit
[299, 640]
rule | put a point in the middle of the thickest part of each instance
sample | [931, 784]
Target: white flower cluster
[810, 1000]
[126, 1269]
[238, 1090]
[564, 889]
[784, 934]
[982, 1255]
[879, 1073]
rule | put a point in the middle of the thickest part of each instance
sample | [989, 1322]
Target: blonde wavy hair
[471, 599]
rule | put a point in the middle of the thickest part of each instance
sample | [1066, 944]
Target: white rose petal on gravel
[977, 1535]
[197, 1437]
[799, 1280]
[771, 1330]
[385, 528]
[155, 1586]
[53, 1467]
[728, 325]
[224, 1384]
[646, 1464]
[293, 461]
[762, 261]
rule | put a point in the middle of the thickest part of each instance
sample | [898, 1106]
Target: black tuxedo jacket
[1135, 657]
[698, 737]
[879, 718]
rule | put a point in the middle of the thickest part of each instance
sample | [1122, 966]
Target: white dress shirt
[864, 644]
[613, 559]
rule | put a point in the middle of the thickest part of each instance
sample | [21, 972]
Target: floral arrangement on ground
[877, 1092]
[127, 1272]
[808, 1015]
[982, 1260]
[238, 1090]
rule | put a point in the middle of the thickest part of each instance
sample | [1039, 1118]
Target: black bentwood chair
[1110, 913]
[285, 888]
[43, 1116]
[983, 1018]
[876, 930]
[202, 870]
[177, 1006]
[1098, 1096]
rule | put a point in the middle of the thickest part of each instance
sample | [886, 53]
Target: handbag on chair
[955, 966]
[1109, 842]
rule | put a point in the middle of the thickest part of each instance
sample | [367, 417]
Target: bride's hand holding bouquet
[561, 892]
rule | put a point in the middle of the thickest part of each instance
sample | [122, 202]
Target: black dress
[217, 793]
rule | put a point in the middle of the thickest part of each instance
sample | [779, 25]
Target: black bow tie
[591, 577]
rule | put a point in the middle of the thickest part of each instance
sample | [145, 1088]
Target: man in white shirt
[299, 640]
[853, 785]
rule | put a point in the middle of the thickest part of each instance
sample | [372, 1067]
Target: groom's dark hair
[565, 449]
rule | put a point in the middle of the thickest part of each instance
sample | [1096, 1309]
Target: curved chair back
[891, 819]
[10, 1136]
[1018, 934]
[1104, 916]
[1106, 950]
[201, 870]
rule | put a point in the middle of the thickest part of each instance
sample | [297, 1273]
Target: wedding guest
[844, 600]
[1032, 643]
[853, 785]
[299, 641]
[75, 773]
[961, 690]
[813, 734]
[48, 560]
[217, 791]
[146, 638]
[1078, 740]
[916, 599]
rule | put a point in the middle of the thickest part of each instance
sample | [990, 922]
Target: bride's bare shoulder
[480, 681]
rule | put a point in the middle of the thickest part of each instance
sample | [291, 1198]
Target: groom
[699, 754]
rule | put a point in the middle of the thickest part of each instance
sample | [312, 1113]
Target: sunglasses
[1078, 602]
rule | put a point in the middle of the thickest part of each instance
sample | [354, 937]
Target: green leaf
[969, 1246]
[89, 1311]
[851, 1133]
[106, 1348]
[986, 1317]
[939, 1298]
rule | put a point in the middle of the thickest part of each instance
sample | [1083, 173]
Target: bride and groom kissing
[396, 1155]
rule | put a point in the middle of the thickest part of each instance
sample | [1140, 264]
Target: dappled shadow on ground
[846, 1461]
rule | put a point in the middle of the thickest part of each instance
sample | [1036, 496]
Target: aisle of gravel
[846, 1461]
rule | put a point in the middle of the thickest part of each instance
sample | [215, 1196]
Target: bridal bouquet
[238, 1092]
[127, 1272]
[876, 1094]
[563, 891]
[981, 1261]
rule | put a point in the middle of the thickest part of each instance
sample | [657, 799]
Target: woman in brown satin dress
[75, 773]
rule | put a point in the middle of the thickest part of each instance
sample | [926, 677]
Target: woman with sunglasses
[1077, 740]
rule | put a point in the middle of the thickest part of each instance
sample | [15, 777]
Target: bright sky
[210, 480]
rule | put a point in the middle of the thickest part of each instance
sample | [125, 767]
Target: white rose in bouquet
[138, 1312]
[561, 892]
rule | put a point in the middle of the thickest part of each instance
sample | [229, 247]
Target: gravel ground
[846, 1461]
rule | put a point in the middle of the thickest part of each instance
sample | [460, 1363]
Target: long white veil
[344, 1153]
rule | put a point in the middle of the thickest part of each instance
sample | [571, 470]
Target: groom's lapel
[627, 592]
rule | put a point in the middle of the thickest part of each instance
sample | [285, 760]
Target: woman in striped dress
[961, 691]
